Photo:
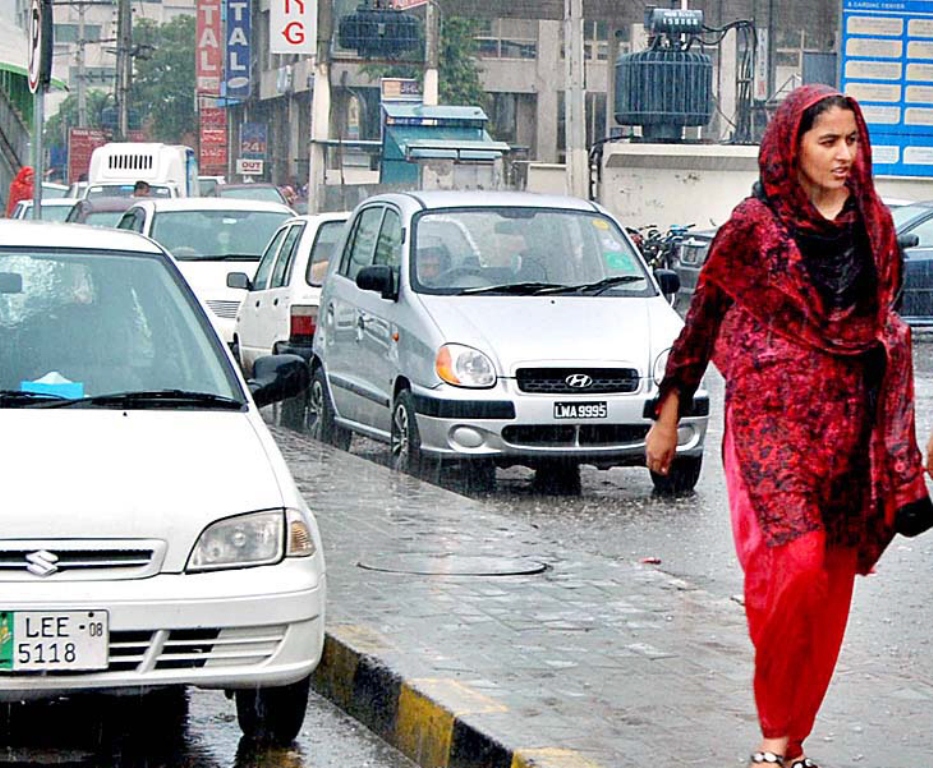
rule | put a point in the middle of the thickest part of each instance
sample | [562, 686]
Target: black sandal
[768, 758]
[803, 762]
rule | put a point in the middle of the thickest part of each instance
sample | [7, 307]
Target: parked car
[253, 191]
[496, 328]
[689, 258]
[50, 209]
[52, 189]
[99, 211]
[280, 310]
[152, 536]
[210, 237]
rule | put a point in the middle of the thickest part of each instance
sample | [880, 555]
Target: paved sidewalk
[468, 640]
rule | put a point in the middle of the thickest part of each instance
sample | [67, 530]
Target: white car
[152, 534]
[279, 312]
[210, 237]
[50, 209]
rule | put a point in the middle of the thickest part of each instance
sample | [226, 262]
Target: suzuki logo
[579, 381]
[42, 563]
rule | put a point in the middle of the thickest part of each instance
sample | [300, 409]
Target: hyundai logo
[42, 563]
[579, 381]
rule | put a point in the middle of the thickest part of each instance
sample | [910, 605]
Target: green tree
[58, 126]
[164, 81]
[458, 70]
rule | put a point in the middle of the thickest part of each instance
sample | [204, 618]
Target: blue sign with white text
[887, 65]
[237, 70]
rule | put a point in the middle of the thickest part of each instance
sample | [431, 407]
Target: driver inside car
[433, 261]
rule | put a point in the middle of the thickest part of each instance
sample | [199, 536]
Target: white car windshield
[524, 250]
[216, 234]
[78, 325]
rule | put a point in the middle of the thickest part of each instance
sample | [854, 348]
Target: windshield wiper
[158, 398]
[599, 286]
[518, 288]
[17, 398]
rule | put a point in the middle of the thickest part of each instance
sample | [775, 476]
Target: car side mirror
[669, 281]
[908, 240]
[239, 280]
[379, 278]
[278, 377]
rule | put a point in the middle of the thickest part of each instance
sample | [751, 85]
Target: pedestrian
[794, 307]
[141, 189]
[21, 188]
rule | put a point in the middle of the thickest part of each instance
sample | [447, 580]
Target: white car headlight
[257, 538]
[660, 364]
[464, 366]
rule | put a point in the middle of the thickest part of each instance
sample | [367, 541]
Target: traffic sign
[40, 45]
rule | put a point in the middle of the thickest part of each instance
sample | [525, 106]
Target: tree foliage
[57, 126]
[458, 72]
[164, 80]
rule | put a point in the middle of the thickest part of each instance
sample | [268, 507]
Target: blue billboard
[237, 69]
[887, 65]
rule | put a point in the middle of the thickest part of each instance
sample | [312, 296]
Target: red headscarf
[20, 188]
[755, 259]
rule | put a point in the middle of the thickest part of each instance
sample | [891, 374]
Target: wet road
[615, 514]
[199, 731]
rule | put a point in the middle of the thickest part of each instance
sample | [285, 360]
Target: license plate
[53, 641]
[590, 410]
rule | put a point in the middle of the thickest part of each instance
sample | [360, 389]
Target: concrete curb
[427, 719]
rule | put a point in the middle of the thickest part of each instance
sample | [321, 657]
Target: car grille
[227, 309]
[554, 381]
[80, 560]
[173, 649]
[574, 435]
[918, 289]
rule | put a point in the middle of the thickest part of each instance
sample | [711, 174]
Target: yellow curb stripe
[550, 757]
[423, 729]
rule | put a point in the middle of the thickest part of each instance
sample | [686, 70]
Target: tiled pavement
[468, 640]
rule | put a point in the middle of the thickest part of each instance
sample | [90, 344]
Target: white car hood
[553, 329]
[94, 473]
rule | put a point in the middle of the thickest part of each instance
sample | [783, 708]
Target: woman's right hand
[661, 440]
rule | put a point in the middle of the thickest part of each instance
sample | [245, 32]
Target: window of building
[595, 41]
[68, 33]
[595, 115]
[508, 39]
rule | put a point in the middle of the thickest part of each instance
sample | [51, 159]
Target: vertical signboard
[887, 64]
[237, 68]
[208, 56]
[293, 26]
[212, 146]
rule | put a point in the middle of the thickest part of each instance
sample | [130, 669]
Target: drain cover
[454, 565]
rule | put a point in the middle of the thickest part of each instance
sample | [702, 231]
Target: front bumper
[226, 629]
[518, 428]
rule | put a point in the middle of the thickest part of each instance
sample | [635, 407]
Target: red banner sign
[213, 141]
[208, 53]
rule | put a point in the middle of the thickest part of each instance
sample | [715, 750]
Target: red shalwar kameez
[819, 445]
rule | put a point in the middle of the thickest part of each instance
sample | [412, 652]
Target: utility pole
[124, 65]
[320, 107]
[431, 46]
[575, 100]
[79, 57]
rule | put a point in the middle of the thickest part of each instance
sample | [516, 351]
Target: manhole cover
[454, 565]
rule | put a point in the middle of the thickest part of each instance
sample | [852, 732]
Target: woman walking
[794, 306]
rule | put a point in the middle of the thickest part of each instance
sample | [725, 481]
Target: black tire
[558, 477]
[273, 715]
[682, 478]
[404, 438]
[319, 412]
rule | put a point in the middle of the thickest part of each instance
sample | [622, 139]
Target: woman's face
[827, 152]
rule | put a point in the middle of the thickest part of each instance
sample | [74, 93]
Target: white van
[171, 170]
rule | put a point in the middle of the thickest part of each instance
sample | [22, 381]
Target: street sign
[40, 46]
[248, 167]
[238, 35]
[293, 26]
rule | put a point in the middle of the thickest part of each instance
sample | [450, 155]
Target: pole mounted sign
[293, 26]
[40, 46]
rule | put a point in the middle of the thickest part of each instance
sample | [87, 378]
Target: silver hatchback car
[498, 328]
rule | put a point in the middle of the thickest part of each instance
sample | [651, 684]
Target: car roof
[437, 199]
[211, 204]
[17, 233]
[323, 216]
[105, 203]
